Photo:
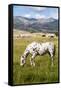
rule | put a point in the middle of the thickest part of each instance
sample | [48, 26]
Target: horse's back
[33, 44]
[31, 47]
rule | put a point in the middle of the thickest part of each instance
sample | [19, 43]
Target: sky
[35, 12]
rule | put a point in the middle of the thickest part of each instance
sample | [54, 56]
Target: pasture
[42, 72]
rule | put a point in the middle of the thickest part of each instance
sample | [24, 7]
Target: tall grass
[42, 72]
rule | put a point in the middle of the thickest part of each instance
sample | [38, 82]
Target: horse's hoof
[21, 65]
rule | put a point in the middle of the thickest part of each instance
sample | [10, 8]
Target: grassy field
[42, 72]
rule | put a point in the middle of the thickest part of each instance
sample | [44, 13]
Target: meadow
[42, 72]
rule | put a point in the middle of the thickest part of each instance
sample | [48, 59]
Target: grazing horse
[35, 49]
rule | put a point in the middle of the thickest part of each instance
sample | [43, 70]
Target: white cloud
[55, 16]
[39, 16]
[38, 8]
[27, 15]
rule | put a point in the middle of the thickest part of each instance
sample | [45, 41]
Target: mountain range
[35, 25]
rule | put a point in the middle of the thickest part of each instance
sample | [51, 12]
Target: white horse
[38, 49]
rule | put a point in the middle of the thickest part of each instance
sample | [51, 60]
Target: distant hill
[35, 25]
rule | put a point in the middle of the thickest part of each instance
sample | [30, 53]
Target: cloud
[55, 15]
[27, 15]
[37, 9]
[39, 16]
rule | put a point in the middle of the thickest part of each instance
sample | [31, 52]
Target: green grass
[42, 72]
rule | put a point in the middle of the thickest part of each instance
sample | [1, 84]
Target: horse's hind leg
[32, 59]
[51, 58]
[52, 61]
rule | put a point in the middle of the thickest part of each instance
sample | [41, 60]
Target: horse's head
[22, 61]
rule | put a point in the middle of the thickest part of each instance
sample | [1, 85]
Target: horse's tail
[54, 50]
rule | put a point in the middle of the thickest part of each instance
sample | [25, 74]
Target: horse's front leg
[32, 59]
